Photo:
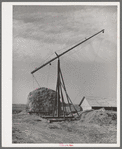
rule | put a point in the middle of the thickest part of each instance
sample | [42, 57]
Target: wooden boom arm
[65, 52]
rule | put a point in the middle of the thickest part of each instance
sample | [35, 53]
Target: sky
[88, 70]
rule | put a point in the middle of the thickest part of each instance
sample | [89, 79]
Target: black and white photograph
[61, 61]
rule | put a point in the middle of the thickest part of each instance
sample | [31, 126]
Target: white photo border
[7, 35]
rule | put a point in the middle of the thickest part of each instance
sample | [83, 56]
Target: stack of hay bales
[41, 101]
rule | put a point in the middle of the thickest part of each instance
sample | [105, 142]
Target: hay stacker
[59, 106]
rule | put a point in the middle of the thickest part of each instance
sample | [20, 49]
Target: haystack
[100, 117]
[41, 100]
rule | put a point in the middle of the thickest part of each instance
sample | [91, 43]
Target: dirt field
[97, 126]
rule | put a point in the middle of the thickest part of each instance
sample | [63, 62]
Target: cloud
[40, 32]
[29, 49]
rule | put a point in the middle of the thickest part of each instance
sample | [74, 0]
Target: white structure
[90, 103]
[85, 105]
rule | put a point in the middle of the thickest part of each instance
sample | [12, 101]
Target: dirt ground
[97, 126]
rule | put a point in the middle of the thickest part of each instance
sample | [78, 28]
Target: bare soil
[97, 126]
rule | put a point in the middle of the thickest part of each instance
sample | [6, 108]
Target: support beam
[58, 92]
[68, 98]
[66, 51]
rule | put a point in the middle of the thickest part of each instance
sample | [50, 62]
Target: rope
[36, 80]
[48, 75]
[97, 52]
[48, 57]
[62, 49]
[33, 81]
[94, 58]
[93, 62]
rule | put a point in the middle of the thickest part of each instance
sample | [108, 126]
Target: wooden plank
[56, 120]
[57, 117]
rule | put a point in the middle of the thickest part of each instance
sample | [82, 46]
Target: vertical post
[55, 101]
[58, 87]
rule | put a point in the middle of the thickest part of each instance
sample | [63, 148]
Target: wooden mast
[66, 52]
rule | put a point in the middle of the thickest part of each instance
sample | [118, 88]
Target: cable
[33, 81]
[48, 56]
[86, 74]
[94, 58]
[48, 75]
[36, 80]
[62, 49]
